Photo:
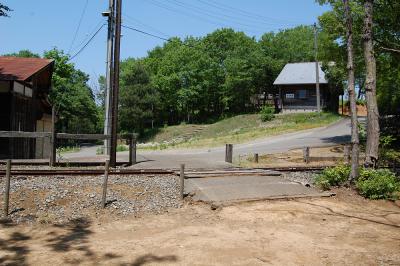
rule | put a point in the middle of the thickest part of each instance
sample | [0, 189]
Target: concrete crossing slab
[245, 188]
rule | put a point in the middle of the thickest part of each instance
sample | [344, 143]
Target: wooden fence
[131, 137]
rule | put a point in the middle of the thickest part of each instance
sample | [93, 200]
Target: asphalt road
[213, 157]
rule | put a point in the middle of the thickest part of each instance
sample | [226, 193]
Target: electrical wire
[146, 33]
[87, 43]
[90, 33]
[79, 25]
[254, 23]
[193, 15]
[248, 14]
[136, 21]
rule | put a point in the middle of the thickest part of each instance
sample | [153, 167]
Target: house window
[302, 94]
[289, 96]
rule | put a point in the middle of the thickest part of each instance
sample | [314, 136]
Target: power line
[136, 21]
[254, 23]
[79, 25]
[87, 43]
[242, 12]
[193, 15]
[88, 35]
[146, 33]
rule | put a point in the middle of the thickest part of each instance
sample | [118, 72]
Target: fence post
[53, 138]
[228, 153]
[346, 154]
[132, 150]
[306, 154]
[106, 169]
[7, 188]
[182, 180]
[256, 157]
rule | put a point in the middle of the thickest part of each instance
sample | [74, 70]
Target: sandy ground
[343, 230]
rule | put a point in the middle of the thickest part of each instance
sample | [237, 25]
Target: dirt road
[345, 230]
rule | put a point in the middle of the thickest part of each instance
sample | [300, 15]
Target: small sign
[289, 96]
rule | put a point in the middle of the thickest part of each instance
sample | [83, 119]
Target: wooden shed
[24, 106]
[297, 88]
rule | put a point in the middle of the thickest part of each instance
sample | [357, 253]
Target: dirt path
[330, 231]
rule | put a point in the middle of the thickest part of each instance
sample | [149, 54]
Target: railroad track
[190, 173]
[72, 172]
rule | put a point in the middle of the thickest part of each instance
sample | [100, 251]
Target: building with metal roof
[24, 106]
[297, 88]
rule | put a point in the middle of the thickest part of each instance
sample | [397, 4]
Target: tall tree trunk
[370, 89]
[352, 96]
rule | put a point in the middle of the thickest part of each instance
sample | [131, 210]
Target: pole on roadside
[228, 153]
[317, 69]
[108, 88]
[115, 93]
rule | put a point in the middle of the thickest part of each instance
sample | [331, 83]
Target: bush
[378, 184]
[267, 113]
[334, 176]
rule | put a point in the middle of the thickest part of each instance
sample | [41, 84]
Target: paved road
[213, 157]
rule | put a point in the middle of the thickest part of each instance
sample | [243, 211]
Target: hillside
[237, 129]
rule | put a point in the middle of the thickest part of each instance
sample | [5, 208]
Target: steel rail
[77, 172]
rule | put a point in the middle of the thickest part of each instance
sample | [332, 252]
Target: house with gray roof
[297, 88]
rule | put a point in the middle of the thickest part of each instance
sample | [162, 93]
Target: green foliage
[122, 148]
[138, 99]
[362, 132]
[24, 53]
[386, 28]
[334, 176]
[378, 184]
[3, 10]
[361, 102]
[72, 96]
[267, 113]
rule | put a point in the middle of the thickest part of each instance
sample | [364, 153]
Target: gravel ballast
[58, 199]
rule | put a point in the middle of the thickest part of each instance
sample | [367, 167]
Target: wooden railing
[53, 136]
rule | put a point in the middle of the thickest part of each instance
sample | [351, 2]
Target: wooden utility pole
[371, 151]
[115, 91]
[317, 69]
[352, 96]
[108, 88]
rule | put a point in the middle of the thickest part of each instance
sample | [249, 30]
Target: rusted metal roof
[21, 68]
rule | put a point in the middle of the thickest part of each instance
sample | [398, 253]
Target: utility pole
[115, 91]
[108, 88]
[317, 69]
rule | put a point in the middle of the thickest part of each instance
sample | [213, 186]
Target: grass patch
[237, 129]
[68, 149]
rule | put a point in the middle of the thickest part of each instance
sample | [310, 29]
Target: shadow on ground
[150, 258]
[14, 245]
[74, 237]
[65, 238]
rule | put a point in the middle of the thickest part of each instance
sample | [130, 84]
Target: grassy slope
[239, 129]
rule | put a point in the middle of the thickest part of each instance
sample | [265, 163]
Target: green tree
[24, 53]
[3, 10]
[74, 99]
[138, 99]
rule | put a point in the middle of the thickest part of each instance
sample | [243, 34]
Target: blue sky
[43, 24]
